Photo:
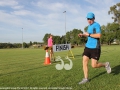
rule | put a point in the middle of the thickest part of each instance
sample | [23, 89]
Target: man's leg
[85, 69]
[85, 66]
[95, 64]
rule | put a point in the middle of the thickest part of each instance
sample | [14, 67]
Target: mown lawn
[24, 69]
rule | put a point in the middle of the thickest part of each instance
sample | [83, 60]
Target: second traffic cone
[47, 58]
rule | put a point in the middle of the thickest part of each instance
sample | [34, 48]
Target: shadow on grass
[116, 70]
[98, 75]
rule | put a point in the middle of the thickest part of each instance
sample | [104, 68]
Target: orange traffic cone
[47, 58]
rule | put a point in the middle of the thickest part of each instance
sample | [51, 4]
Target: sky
[32, 19]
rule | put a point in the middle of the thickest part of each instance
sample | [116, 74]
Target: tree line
[19, 45]
[110, 32]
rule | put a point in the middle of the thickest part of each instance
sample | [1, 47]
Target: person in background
[50, 44]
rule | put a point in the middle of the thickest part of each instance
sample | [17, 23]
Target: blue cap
[90, 15]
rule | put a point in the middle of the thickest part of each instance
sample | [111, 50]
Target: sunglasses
[89, 18]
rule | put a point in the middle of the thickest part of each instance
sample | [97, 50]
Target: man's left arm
[97, 34]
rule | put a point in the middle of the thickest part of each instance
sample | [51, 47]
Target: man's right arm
[83, 35]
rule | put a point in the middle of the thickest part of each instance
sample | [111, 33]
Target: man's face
[90, 21]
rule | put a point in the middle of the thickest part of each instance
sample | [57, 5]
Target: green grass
[25, 68]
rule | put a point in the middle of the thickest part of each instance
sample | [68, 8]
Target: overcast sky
[38, 17]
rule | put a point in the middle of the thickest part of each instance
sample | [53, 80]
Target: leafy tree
[25, 45]
[68, 37]
[56, 40]
[34, 42]
[73, 38]
[46, 38]
[110, 32]
[30, 43]
[103, 32]
[85, 29]
[62, 39]
[115, 10]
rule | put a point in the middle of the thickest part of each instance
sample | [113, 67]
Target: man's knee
[94, 65]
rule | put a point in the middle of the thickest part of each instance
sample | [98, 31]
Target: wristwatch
[89, 34]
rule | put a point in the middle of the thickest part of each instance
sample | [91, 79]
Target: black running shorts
[92, 53]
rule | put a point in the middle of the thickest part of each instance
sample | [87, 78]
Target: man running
[92, 48]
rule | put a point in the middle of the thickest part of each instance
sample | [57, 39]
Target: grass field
[24, 69]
